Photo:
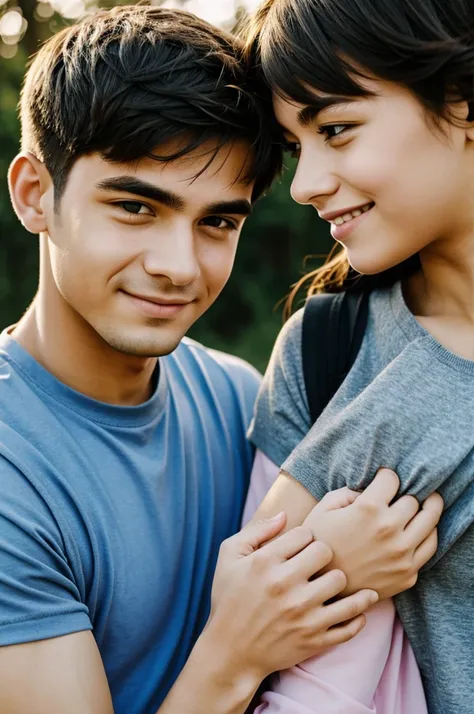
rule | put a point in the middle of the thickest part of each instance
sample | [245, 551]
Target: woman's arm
[378, 543]
[376, 666]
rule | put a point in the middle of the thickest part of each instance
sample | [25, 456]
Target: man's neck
[68, 347]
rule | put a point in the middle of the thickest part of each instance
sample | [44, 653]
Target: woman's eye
[331, 131]
[135, 207]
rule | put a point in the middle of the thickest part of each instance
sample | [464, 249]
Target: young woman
[376, 100]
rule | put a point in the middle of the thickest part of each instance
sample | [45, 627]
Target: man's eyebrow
[138, 187]
[240, 207]
[310, 112]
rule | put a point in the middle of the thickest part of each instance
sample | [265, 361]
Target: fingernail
[374, 597]
[277, 517]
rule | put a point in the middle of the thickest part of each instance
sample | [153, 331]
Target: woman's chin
[369, 264]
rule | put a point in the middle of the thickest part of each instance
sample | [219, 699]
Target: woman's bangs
[298, 64]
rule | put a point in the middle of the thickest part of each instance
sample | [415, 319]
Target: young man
[121, 474]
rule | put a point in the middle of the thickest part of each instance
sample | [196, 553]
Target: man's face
[141, 251]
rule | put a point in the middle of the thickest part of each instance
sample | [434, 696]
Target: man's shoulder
[225, 372]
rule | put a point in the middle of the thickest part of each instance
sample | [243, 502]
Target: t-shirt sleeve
[415, 417]
[281, 417]
[38, 597]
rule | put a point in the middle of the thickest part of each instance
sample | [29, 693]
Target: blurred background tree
[246, 318]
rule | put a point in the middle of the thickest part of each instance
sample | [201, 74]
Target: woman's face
[389, 181]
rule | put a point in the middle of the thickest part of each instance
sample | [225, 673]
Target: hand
[268, 613]
[377, 545]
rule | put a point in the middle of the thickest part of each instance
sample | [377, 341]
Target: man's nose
[175, 257]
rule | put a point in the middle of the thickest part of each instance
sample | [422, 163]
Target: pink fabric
[374, 673]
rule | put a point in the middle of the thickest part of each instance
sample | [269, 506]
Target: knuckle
[401, 553]
[323, 551]
[292, 609]
[387, 528]
[276, 588]
[303, 533]
[411, 581]
[338, 578]
[260, 560]
[368, 507]
[355, 626]
[354, 607]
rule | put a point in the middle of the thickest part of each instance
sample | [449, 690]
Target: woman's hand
[378, 544]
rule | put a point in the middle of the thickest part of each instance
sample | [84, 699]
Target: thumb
[257, 533]
[340, 498]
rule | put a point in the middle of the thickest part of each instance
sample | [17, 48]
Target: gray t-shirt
[407, 403]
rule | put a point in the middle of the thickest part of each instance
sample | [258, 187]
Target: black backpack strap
[333, 329]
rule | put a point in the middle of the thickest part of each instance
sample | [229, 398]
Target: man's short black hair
[125, 81]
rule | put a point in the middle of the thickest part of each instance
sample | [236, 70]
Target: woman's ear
[31, 190]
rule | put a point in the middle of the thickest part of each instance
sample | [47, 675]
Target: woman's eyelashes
[332, 133]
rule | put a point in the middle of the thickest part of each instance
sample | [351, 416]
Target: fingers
[316, 556]
[426, 550]
[340, 498]
[255, 534]
[425, 521]
[349, 607]
[404, 509]
[290, 544]
[324, 587]
[383, 488]
[341, 633]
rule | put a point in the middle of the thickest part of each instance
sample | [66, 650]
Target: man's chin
[144, 347]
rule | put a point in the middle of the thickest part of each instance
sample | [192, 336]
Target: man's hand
[268, 604]
[268, 613]
[377, 545]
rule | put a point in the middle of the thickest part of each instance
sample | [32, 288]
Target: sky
[215, 11]
[13, 24]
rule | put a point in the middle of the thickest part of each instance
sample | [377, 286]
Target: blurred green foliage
[245, 320]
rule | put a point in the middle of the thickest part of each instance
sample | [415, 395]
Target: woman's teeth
[353, 214]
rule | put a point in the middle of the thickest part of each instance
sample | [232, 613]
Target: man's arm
[61, 675]
[267, 614]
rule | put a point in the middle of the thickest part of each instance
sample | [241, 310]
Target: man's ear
[31, 191]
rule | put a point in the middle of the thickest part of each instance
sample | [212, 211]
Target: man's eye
[220, 223]
[135, 207]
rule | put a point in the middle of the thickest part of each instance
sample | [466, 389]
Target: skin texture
[267, 613]
[386, 151]
[95, 248]
[86, 331]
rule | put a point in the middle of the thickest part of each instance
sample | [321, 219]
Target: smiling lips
[161, 308]
[337, 218]
[344, 222]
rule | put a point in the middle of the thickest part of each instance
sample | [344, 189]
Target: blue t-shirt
[111, 517]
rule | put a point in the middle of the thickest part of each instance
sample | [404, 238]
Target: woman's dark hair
[127, 80]
[303, 46]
